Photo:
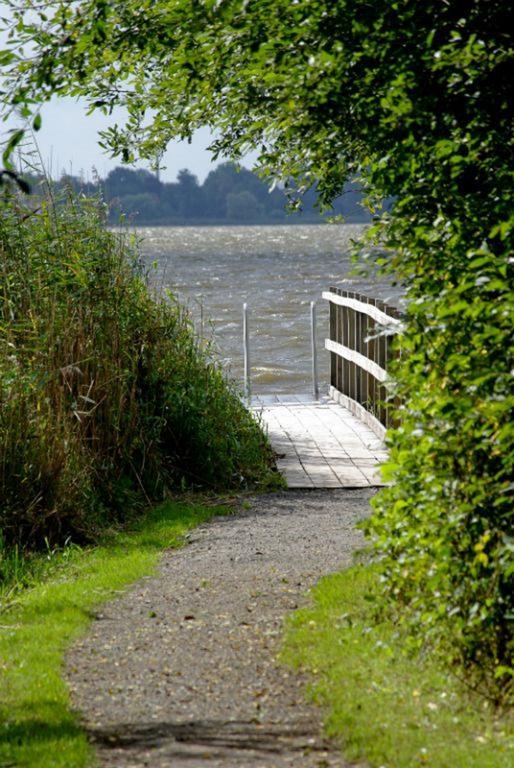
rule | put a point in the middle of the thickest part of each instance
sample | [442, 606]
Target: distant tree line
[227, 196]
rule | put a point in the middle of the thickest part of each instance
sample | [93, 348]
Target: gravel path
[181, 671]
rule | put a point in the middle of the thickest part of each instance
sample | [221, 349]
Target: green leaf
[15, 138]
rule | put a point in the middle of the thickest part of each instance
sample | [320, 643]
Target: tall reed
[107, 401]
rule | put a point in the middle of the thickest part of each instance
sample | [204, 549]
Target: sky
[68, 141]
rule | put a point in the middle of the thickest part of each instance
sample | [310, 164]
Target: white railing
[360, 335]
[247, 371]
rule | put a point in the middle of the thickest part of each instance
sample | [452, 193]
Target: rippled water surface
[278, 271]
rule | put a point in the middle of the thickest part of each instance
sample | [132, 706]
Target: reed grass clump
[107, 400]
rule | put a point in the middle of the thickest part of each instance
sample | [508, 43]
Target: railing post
[341, 336]
[332, 309]
[343, 366]
[246, 353]
[199, 326]
[315, 388]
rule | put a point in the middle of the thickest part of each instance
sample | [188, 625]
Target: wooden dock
[320, 443]
[337, 441]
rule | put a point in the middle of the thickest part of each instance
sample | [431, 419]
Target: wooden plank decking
[320, 444]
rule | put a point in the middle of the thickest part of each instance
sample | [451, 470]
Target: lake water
[278, 271]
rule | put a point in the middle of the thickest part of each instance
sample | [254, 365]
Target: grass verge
[37, 728]
[383, 706]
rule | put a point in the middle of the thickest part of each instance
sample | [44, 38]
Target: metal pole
[246, 347]
[315, 388]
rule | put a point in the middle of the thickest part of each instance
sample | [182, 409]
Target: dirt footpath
[182, 670]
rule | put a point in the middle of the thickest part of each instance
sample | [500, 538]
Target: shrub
[443, 529]
[106, 399]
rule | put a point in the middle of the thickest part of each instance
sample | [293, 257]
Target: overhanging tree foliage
[415, 99]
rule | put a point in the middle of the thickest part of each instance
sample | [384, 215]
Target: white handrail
[355, 357]
[368, 309]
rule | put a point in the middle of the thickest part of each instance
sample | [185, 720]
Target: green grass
[387, 708]
[37, 728]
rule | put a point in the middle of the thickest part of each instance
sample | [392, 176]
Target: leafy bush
[106, 399]
[443, 529]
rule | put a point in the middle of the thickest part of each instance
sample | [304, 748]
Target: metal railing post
[246, 352]
[315, 387]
